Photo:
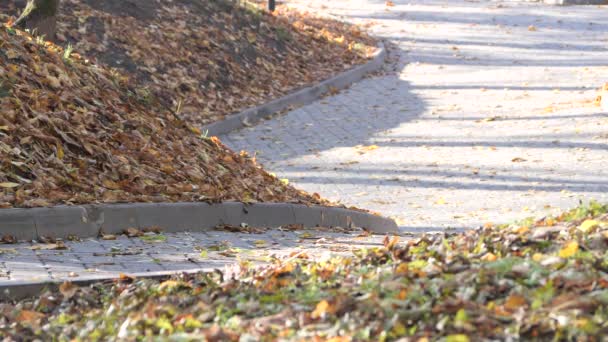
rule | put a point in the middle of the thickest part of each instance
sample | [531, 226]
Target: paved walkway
[484, 114]
[97, 258]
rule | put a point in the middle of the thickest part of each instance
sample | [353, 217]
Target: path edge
[298, 98]
[90, 221]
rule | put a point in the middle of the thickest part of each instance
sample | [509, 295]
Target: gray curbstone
[115, 218]
[266, 215]
[308, 216]
[299, 98]
[173, 218]
[18, 223]
[62, 222]
[87, 221]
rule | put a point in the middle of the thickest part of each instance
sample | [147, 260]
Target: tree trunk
[40, 17]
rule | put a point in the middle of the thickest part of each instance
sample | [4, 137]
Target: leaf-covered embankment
[74, 132]
[212, 58]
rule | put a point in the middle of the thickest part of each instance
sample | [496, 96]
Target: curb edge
[298, 98]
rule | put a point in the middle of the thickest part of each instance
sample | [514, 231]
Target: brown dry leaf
[29, 317]
[57, 245]
[518, 160]
[515, 302]
[125, 278]
[6, 238]
[133, 232]
[68, 289]
[391, 243]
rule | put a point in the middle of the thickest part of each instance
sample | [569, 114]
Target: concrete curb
[90, 220]
[299, 98]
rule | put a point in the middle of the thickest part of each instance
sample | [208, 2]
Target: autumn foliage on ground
[543, 280]
[210, 58]
[74, 132]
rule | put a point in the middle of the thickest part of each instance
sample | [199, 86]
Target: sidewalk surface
[485, 114]
[96, 258]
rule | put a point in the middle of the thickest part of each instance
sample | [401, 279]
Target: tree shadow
[299, 145]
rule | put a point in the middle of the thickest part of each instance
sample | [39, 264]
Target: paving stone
[452, 112]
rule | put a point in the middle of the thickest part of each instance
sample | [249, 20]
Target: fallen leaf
[569, 250]
[68, 289]
[588, 225]
[322, 309]
[515, 302]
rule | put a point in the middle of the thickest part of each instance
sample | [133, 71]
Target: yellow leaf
[60, 152]
[323, 308]
[521, 230]
[457, 338]
[399, 329]
[306, 235]
[441, 201]
[402, 268]
[532, 28]
[172, 285]
[538, 257]
[568, 251]
[489, 257]
[259, 243]
[588, 225]
[9, 185]
[339, 339]
[251, 37]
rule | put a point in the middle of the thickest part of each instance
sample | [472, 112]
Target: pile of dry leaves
[210, 58]
[544, 280]
[74, 132]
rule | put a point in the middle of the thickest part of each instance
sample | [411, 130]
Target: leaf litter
[207, 58]
[521, 281]
[75, 132]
